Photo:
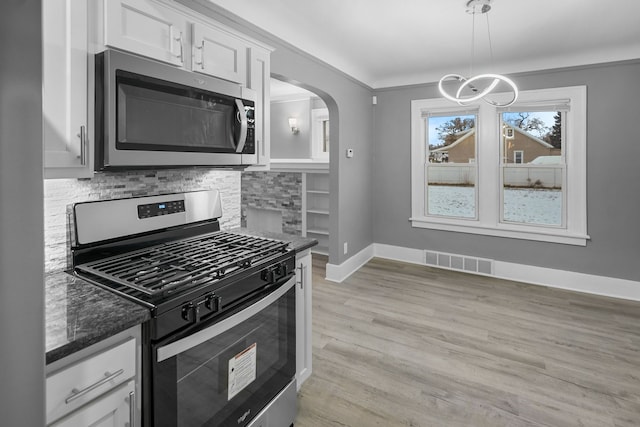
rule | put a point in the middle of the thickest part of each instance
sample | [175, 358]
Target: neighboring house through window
[514, 172]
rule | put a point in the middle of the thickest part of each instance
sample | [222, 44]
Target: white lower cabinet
[98, 386]
[113, 409]
[303, 317]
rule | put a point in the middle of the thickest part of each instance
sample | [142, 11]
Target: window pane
[325, 136]
[451, 169]
[533, 167]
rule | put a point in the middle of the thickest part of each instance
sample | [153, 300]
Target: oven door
[227, 372]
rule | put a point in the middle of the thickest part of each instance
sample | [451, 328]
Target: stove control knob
[281, 269]
[269, 275]
[190, 312]
[213, 302]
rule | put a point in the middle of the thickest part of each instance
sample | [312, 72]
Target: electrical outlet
[346, 248]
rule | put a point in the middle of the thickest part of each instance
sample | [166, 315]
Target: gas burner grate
[181, 264]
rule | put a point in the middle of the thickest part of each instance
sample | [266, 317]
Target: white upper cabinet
[259, 80]
[219, 54]
[146, 28]
[66, 129]
[165, 33]
[75, 30]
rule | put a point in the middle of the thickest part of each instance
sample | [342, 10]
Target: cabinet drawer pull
[302, 270]
[75, 393]
[181, 54]
[83, 143]
[132, 409]
[201, 49]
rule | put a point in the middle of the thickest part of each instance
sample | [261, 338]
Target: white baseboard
[398, 253]
[338, 273]
[561, 279]
[570, 280]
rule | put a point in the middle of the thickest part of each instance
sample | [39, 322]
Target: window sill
[502, 230]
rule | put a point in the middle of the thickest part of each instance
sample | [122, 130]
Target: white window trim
[318, 115]
[488, 184]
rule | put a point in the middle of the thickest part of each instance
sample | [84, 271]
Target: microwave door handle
[242, 118]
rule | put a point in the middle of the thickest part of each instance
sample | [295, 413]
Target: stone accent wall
[280, 191]
[59, 193]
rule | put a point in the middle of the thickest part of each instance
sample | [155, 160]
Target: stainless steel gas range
[220, 347]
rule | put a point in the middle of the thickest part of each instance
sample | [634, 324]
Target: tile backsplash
[277, 191]
[58, 193]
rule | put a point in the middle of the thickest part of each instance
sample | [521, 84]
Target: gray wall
[285, 144]
[21, 242]
[351, 115]
[613, 177]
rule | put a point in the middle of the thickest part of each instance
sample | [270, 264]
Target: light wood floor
[404, 345]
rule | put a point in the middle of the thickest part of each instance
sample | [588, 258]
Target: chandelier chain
[473, 42]
[490, 44]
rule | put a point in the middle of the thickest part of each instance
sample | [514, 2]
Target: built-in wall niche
[315, 209]
[260, 219]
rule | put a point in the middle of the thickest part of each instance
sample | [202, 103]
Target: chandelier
[478, 87]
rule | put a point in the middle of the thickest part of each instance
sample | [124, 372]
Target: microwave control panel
[250, 143]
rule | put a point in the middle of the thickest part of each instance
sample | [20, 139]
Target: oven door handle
[167, 351]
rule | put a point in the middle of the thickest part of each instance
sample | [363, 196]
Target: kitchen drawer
[112, 409]
[73, 386]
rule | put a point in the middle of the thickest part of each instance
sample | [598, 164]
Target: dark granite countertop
[298, 243]
[78, 314]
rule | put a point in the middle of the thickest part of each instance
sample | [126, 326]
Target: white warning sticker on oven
[242, 370]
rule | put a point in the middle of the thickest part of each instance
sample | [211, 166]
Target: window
[320, 133]
[516, 172]
[451, 175]
[532, 186]
[518, 156]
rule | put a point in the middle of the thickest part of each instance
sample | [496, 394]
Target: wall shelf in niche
[317, 212]
[320, 232]
[315, 209]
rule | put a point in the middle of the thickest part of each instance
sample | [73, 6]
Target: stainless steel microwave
[154, 115]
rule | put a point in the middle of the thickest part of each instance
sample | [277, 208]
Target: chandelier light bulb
[478, 94]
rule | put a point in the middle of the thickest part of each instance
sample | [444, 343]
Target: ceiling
[385, 43]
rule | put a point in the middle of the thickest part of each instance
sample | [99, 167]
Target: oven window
[153, 115]
[230, 378]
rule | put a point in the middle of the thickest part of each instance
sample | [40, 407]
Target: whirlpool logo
[244, 416]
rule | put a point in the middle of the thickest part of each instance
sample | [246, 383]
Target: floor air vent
[458, 262]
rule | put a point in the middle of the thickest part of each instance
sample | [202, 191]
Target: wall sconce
[293, 124]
